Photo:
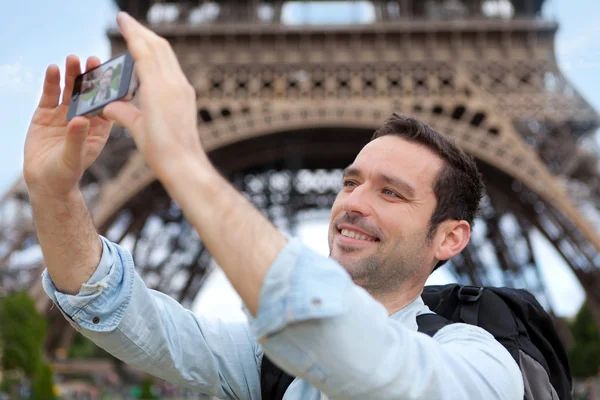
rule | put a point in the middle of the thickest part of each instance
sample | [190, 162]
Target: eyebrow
[398, 183]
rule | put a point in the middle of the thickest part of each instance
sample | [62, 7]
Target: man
[344, 325]
[104, 94]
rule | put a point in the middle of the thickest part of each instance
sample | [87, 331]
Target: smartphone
[114, 80]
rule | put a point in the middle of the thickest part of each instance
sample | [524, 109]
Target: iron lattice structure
[282, 108]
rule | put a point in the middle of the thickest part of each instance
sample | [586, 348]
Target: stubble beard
[380, 275]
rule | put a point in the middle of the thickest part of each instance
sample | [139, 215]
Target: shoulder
[479, 349]
[459, 333]
[453, 332]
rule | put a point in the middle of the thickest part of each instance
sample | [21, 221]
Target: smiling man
[408, 203]
[345, 325]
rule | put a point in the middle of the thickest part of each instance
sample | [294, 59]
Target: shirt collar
[408, 315]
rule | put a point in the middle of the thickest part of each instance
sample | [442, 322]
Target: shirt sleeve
[153, 332]
[103, 299]
[315, 323]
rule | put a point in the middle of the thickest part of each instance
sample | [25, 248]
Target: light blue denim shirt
[312, 320]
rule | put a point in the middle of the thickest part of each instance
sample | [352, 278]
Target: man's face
[380, 218]
[106, 79]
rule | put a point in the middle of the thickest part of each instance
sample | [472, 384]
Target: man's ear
[453, 238]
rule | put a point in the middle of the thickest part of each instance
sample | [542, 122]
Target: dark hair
[458, 187]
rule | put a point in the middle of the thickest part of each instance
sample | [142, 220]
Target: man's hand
[57, 152]
[165, 127]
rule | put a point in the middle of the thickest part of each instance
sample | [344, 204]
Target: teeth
[352, 234]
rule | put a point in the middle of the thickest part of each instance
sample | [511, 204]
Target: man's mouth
[357, 235]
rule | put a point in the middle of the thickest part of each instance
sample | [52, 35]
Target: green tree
[147, 393]
[43, 384]
[22, 336]
[584, 355]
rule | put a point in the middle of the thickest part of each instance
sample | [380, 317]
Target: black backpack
[512, 316]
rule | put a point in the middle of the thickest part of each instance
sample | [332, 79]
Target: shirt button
[316, 302]
[96, 320]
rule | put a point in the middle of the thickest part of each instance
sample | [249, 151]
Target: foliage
[22, 337]
[147, 393]
[22, 334]
[43, 384]
[584, 356]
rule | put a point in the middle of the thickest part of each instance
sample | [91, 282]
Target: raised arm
[93, 281]
[165, 130]
[56, 155]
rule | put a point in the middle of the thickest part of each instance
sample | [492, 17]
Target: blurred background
[287, 94]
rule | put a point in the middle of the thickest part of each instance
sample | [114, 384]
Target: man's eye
[389, 192]
[348, 183]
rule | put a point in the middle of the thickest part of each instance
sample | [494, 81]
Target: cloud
[14, 75]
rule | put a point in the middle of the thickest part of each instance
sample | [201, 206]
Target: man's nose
[359, 201]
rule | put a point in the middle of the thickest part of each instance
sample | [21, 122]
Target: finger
[77, 132]
[125, 114]
[72, 70]
[136, 36]
[51, 90]
[149, 50]
[91, 63]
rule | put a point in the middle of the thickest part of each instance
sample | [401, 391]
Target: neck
[401, 296]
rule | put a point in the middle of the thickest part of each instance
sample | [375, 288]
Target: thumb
[125, 114]
[77, 132]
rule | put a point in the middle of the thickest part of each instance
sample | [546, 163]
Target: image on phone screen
[100, 86]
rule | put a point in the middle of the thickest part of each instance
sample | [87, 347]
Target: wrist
[56, 208]
[45, 196]
[183, 172]
[198, 189]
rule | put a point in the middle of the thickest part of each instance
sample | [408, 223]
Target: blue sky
[38, 33]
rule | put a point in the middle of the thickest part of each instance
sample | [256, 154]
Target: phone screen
[99, 86]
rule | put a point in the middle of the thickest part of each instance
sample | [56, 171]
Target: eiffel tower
[284, 104]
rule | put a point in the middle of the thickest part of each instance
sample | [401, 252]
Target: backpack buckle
[470, 293]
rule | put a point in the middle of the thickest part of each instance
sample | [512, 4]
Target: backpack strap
[469, 298]
[429, 324]
[273, 380]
